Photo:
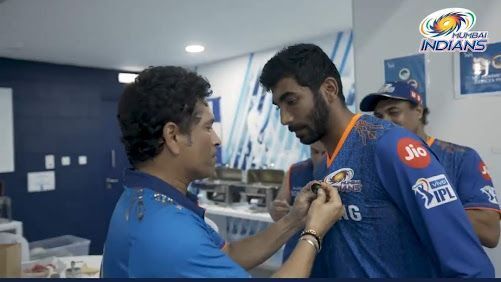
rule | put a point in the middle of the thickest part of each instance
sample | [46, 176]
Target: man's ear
[330, 89]
[171, 138]
[420, 111]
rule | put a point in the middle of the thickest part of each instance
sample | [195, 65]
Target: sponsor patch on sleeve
[413, 153]
[434, 191]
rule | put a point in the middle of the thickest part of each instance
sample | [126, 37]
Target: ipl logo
[448, 30]
[423, 188]
[435, 191]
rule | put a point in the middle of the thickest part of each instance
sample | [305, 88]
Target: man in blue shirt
[400, 207]
[157, 228]
[401, 103]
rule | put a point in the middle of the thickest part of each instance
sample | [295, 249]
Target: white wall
[388, 29]
[6, 131]
[251, 129]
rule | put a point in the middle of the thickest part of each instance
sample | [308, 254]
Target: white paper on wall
[50, 162]
[41, 181]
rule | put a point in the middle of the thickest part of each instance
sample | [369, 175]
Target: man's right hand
[278, 209]
[325, 210]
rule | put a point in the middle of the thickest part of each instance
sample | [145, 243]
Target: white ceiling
[133, 34]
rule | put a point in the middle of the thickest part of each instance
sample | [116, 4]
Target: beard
[318, 118]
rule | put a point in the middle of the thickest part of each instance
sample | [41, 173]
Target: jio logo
[413, 153]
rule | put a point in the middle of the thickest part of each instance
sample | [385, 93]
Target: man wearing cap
[401, 103]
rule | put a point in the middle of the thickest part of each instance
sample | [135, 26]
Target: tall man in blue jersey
[401, 103]
[403, 217]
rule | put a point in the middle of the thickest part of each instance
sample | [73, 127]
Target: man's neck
[421, 133]
[168, 174]
[338, 122]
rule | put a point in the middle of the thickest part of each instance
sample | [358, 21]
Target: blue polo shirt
[156, 231]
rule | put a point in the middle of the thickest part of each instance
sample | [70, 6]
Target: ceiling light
[194, 48]
[125, 77]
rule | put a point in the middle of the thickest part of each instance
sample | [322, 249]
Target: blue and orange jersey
[468, 174]
[400, 210]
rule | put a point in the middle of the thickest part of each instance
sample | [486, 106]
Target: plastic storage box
[62, 246]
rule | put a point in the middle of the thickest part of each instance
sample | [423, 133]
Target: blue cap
[395, 90]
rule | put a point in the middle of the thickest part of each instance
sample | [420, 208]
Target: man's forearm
[251, 252]
[486, 226]
[299, 263]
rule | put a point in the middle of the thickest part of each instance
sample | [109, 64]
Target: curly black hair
[157, 96]
[306, 63]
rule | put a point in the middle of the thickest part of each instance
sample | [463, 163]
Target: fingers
[325, 192]
[307, 188]
[332, 193]
[306, 191]
[321, 196]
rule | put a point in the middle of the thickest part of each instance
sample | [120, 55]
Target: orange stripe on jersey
[430, 140]
[340, 144]
[482, 208]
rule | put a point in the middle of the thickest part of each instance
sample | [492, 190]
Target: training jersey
[156, 231]
[402, 216]
[467, 173]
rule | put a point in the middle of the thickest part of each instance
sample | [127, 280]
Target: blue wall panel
[62, 110]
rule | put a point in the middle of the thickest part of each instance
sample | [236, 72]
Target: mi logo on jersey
[413, 153]
[491, 193]
[435, 191]
[341, 179]
[483, 169]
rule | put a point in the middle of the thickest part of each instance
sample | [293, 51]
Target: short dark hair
[157, 96]
[306, 63]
